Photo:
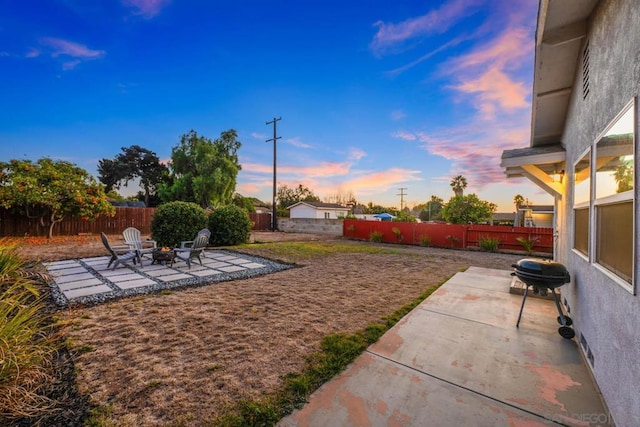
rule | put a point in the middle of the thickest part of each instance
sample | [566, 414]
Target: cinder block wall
[309, 225]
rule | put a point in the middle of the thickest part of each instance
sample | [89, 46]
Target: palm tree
[458, 184]
[518, 200]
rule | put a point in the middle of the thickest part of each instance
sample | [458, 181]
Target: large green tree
[468, 209]
[431, 210]
[134, 162]
[203, 171]
[50, 190]
[288, 196]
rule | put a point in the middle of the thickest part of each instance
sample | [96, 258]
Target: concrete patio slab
[458, 359]
[91, 290]
[138, 283]
[80, 284]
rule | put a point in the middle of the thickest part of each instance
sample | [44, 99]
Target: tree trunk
[53, 223]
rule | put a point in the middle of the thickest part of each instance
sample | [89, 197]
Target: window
[327, 215]
[581, 200]
[613, 196]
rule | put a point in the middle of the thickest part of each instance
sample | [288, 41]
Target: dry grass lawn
[182, 357]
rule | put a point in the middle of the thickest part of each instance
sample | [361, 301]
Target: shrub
[175, 222]
[425, 240]
[396, 231]
[489, 244]
[229, 225]
[452, 240]
[376, 236]
[528, 243]
[27, 346]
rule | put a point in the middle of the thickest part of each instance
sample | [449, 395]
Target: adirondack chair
[188, 243]
[193, 252]
[116, 258]
[133, 238]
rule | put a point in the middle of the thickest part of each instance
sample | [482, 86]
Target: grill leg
[563, 321]
[526, 291]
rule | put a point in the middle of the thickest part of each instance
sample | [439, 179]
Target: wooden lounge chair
[118, 258]
[193, 252]
[133, 238]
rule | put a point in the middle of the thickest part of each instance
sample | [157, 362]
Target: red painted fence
[449, 235]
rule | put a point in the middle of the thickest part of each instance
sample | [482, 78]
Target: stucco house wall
[304, 210]
[606, 315]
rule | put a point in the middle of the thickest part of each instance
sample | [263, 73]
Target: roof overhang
[561, 30]
[542, 165]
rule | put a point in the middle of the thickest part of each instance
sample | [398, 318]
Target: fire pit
[162, 255]
[544, 275]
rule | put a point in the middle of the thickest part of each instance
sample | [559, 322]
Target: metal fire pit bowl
[544, 275]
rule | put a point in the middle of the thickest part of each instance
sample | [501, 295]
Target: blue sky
[374, 96]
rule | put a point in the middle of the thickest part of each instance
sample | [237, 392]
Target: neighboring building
[503, 218]
[535, 216]
[317, 210]
[584, 133]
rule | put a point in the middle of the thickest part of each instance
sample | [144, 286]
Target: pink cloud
[398, 115]
[495, 91]
[146, 8]
[434, 22]
[509, 49]
[376, 182]
[407, 136]
[356, 154]
[321, 169]
[62, 47]
[33, 53]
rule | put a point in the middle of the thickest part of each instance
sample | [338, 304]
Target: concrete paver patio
[88, 280]
[458, 359]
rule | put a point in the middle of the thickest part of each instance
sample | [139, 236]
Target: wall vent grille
[585, 71]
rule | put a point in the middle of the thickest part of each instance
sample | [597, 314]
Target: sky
[377, 98]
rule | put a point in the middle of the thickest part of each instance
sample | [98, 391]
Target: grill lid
[542, 269]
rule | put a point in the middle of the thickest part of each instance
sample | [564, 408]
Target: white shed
[317, 210]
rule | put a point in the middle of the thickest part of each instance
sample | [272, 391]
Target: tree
[342, 198]
[518, 201]
[288, 196]
[203, 171]
[458, 184]
[51, 190]
[245, 203]
[134, 162]
[468, 209]
[432, 209]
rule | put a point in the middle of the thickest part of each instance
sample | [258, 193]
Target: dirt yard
[179, 358]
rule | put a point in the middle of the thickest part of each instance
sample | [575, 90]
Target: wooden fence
[450, 235]
[140, 218]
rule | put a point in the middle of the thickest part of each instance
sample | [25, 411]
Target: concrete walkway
[90, 281]
[458, 360]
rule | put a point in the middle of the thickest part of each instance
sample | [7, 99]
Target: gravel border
[270, 267]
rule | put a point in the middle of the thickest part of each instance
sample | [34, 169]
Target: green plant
[396, 231]
[229, 225]
[376, 236]
[175, 222]
[452, 240]
[489, 244]
[528, 243]
[425, 240]
[27, 345]
[351, 228]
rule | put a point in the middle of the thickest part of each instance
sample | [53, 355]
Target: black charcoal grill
[544, 275]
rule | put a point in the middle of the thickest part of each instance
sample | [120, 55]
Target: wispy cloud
[257, 135]
[147, 9]
[356, 154]
[297, 142]
[372, 183]
[390, 35]
[60, 48]
[398, 115]
[316, 170]
[407, 136]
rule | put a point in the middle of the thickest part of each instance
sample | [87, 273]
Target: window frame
[595, 203]
[588, 152]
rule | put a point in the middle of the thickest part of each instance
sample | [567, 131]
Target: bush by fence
[140, 218]
[450, 235]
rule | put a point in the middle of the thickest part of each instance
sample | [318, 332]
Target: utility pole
[402, 194]
[274, 216]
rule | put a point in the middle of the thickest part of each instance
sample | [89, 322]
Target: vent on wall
[587, 350]
[585, 71]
